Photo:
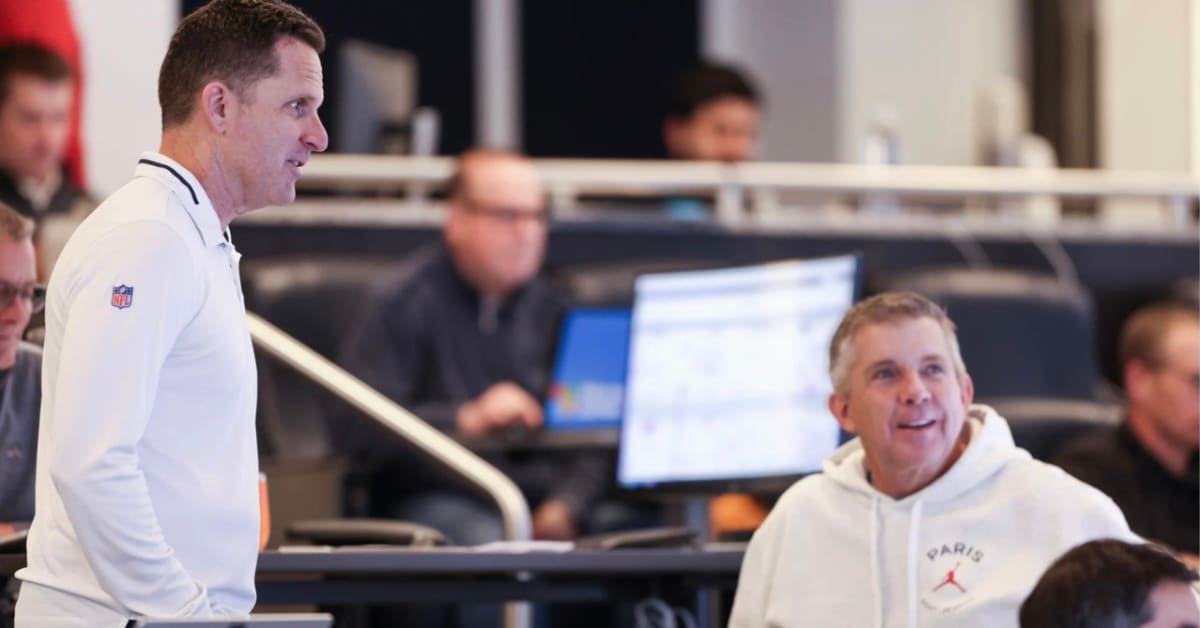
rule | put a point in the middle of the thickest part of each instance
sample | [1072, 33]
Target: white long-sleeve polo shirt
[146, 490]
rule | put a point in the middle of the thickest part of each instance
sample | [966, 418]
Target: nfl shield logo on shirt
[122, 296]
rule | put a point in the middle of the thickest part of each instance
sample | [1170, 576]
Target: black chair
[316, 300]
[1022, 334]
[1043, 426]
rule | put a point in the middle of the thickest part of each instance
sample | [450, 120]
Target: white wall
[827, 65]
[927, 61]
[789, 46]
[123, 43]
[1145, 84]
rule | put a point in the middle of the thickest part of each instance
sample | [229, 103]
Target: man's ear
[966, 387]
[1136, 375]
[216, 105]
[672, 130]
[839, 407]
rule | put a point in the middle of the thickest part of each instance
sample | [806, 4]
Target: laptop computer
[587, 383]
[584, 402]
[281, 620]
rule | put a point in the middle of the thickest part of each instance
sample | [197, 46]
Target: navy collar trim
[158, 164]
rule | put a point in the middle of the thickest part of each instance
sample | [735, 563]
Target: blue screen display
[588, 383]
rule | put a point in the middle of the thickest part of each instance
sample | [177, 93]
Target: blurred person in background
[35, 108]
[20, 371]
[1148, 465]
[464, 339]
[37, 89]
[712, 114]
[20, 382]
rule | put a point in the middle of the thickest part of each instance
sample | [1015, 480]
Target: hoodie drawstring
[914, 526]
[873, 532]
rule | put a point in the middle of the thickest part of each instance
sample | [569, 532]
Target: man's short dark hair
[31, 60]
[1101, 584]
[706, 82]
[232, 41]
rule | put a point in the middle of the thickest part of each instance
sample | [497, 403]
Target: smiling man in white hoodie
[932, 516]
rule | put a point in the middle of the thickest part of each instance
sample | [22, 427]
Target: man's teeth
[924, 423]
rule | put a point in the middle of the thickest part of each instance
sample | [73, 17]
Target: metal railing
[752, 187]
[443, 450]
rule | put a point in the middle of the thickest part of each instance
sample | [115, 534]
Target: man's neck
[193, 151]
[1168, 452]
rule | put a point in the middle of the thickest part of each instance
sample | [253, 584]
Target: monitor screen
[588, 380]
[728, 384]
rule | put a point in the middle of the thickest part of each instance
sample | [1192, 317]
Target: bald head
[496, 224]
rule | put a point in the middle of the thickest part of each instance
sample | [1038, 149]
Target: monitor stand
[696, 517]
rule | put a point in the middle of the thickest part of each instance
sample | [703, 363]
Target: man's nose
[913, 390]
[317, 138]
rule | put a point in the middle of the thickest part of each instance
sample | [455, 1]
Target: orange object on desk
[264, 513]
[733, 512]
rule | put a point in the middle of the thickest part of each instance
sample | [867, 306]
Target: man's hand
[552, 521]
[7, 529]
[500, 406]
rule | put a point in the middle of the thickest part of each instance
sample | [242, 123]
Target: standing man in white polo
[146, 490]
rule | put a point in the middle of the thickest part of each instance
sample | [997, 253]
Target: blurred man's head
[496, 221]
[20, 295]
[713, 116]
[35, 111]
[901, 386]
[1113, 584]
[1160, 357]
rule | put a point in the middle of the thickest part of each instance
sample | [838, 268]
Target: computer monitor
[378, 95]
[728, 380]
[588, 379]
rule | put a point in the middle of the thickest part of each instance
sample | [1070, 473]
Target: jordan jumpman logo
[950, 580]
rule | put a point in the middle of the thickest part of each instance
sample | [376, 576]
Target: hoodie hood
[989, 449]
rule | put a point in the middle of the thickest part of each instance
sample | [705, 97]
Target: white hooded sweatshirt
[964, 551]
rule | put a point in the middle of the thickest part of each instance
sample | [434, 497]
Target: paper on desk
[526, 547]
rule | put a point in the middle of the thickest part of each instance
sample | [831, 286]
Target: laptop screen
[728, 377]
[588, 381]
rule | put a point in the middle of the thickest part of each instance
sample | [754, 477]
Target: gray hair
[888, 307]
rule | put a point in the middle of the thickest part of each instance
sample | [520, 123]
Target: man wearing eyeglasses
[464, 340]
[1148, 466]
[20, 370]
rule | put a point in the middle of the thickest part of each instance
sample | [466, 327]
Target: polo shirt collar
[190, 193]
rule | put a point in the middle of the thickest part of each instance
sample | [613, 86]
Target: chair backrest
[1022, 334]
[317, 300]
[1043, 426]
